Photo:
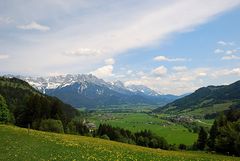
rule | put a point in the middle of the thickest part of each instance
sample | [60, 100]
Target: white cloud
[110, 61]
[83, 52]
[4, 56]
[233, 51]
[222, 43]
[230, 53]
[218, 51]
[190, 75]
[105, 71]
[34, 26]
[227, 52]
[180, 68]
[230, 57]
[186, 81]
[235, 71]
[178, 82]
[161, 58]
[162, 84]
[161, 70]
[164, 58]
[226, 72]
[202, 74]
[225, 43]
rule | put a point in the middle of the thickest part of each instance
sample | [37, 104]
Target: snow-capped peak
[143, 89]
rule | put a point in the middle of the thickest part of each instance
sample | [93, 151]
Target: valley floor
[133, 121]
[16, 144]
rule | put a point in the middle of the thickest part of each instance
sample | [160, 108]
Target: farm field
[174, 133]
[16, 144]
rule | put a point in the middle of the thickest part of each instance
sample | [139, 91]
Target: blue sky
[171, 46]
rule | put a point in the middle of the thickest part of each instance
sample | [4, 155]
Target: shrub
[105, 137]
[153, 143]
[51, 125]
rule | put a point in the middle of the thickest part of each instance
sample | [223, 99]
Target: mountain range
[88, 91]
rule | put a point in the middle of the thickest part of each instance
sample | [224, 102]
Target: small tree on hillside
[4, 112]
[202, 139]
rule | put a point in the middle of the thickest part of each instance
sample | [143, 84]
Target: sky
[173, 46]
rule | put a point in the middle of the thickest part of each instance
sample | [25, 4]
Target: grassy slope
[17, 144]
[200, 112]
[174, 133]
[211, 109]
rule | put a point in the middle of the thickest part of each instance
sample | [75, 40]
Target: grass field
[16, 144]
[174, 133]
[210, 109]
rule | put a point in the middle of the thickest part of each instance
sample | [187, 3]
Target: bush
[162, 143]
[36, 124]
[182, 147]
[105, 137]
[172, 147]
[76, 126]
[51, 125]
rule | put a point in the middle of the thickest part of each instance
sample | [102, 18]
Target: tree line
[143, 138]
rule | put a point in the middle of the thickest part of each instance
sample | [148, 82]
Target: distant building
[91, 126]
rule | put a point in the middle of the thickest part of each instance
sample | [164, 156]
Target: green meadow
[174, 133]
[17, 144]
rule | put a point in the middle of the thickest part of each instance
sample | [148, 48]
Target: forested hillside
[27, 106]
[219, 98]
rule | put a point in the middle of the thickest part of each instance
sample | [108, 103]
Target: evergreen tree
[228, 140]
[4, 112]
[202, 139]
[213, 134]
[222, 120]
[56, 112]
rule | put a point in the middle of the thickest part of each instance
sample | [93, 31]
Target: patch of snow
[99, 92]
